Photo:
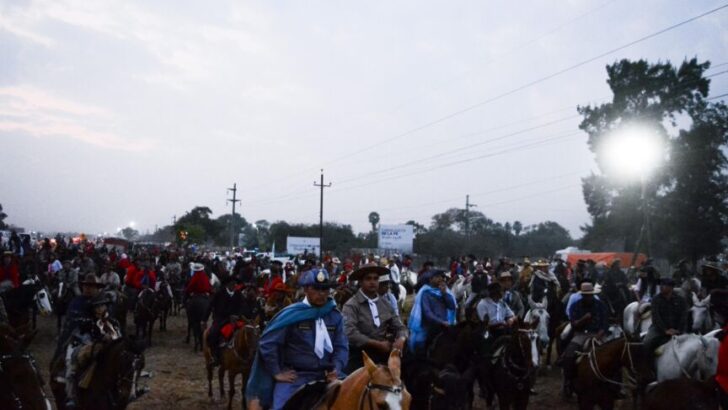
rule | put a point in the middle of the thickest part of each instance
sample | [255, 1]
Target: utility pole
[232, 219]
[321, 213]
[174, 219]
[468, 205]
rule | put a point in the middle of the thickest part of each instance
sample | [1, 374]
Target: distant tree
[517, 227]
[129, 233]
[3, 215]
[374, 220]
[223, 223]
[416, 227]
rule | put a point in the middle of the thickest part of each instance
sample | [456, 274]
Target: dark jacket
[479, 283]
[669, 313]
[222, 305]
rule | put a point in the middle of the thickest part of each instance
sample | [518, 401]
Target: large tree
[660, 98]
[3, 215]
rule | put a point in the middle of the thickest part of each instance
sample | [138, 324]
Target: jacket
[359, 324]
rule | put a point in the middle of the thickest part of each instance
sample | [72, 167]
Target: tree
[3, 215]
[417, 228]
[374, 220]
[223, 225]
[653, 95]
[517, 227]
[198, 221]
[129, 233]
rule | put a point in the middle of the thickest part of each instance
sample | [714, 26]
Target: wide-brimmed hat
[8, 253]
[710, 264]
[505, 275]
[384, 279]
[91, 280]
[102, 299]
[365, 270]
[587, 288]
[196, 267]
[540, 263]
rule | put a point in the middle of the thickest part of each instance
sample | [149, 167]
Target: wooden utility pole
[468, 205]
[321, 214]
[232, 219]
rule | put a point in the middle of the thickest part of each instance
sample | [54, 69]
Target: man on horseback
[669, 316]
[713, 276]
[543, 280]
[305, 342]
[511, 296]
[279, 298]
[588, 321]
[478, 285]
[434, 309]
[226, 307]
[370, 322]
[616, 291]
[494, 311]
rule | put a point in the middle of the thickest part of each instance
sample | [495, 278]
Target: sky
[113, 112]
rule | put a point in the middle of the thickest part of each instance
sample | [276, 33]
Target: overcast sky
[121, 111]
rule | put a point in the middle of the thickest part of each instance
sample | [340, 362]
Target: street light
[634, 151]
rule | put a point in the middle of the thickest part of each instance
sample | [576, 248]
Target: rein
[18, 404]
[508, 364]
[397, 390]
[594, 365]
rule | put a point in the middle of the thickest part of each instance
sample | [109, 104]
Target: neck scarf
[229, 292]
[322, 341]
[373, 308]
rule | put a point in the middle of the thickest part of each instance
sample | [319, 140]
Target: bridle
[626, 351]
[509, 365]
[396, 390]
[17, 403]
[235, 348]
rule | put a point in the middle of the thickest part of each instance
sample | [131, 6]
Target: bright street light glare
[633, 152]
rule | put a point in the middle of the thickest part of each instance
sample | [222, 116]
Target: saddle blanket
[228, 329]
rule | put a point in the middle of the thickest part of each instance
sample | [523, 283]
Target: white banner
[299, 244]
[399, 237]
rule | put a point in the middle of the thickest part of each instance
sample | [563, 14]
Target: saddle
[228, 330]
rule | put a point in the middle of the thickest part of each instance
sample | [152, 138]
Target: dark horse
[682, 394]
[164, 303]
[146, 312]
[444, 379]
[196, 309]
[21, 385]
[598, 376]
[20, 300]
[62, 296]
[113, 385]
[557, 313]
[507, 374]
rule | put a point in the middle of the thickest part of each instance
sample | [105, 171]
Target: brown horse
[113, 385]
[371, 387]
[164, 303]
[235, 359]
[145, 314]
[21, 385]
[509, 374]
[598, 375]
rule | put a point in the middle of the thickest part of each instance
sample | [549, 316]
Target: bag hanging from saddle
[228, 329]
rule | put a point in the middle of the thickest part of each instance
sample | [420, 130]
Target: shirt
[394, 274]
[497, 312]
[359, 324]
[598, 312]
[434, 308]
[669, 313]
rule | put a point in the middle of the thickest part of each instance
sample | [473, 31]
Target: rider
[280, 297]
[669, 316]
[370, 322]
[713, 277]
[9, 272]
[385, 292]
[225, 307]
[511, 296]
[434, 309]
[647, 283]
[542, 280]
[394, 276]
[588, 321]
[682, 273]
[615, 288]
[478, 285]
[494, 311]
[76, 330]
[305, 342]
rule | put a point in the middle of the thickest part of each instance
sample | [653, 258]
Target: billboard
[399, 237]
[299, 244]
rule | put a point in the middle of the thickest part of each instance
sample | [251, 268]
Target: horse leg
[149, 335]
[189, 329]
[231, 384]
[209, 379]
[221, 377]
[243, 404]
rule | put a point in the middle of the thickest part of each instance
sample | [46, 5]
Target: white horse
[41, 299]
[702, 321]
[408, 278]
[691, 356]
[401, 298]
[539, 315]
[461, 288]
[630, 316]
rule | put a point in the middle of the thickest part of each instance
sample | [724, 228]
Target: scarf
[260, 384]
[418, 333]
[322, 341]
[373, 308]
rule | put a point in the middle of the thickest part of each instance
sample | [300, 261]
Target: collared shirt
[394, 273]
[359, 324]
[669, 313]
[497, 312]
[598, 312]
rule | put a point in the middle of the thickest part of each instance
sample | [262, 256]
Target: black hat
[365, 270]
[495, 287]
[667, 281]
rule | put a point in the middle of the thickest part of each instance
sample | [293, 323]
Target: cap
[318, 278]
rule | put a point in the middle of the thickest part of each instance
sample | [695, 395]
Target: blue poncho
[261, 382]
[418, 333]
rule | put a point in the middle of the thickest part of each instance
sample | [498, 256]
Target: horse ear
[695, 299]
[394, 363]
[368, 363]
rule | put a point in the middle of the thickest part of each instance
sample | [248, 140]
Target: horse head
[702, 321]
[539, 318]
[385, 387]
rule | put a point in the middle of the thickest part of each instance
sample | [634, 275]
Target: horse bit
[389, 389]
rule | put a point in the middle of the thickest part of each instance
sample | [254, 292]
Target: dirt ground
[179, 382]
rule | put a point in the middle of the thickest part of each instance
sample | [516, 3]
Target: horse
[236, 358]
[146, 312]
[371, 387]
[691, 356]
[539, 317]
[682, 394]
[702, 321]
[599, 370]
[164, 303]
[408, 279]
[22, 384]
[18, 302]
[114, 382]
[196, 309]
[637, 320]
[509, 372]
[62, 297]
